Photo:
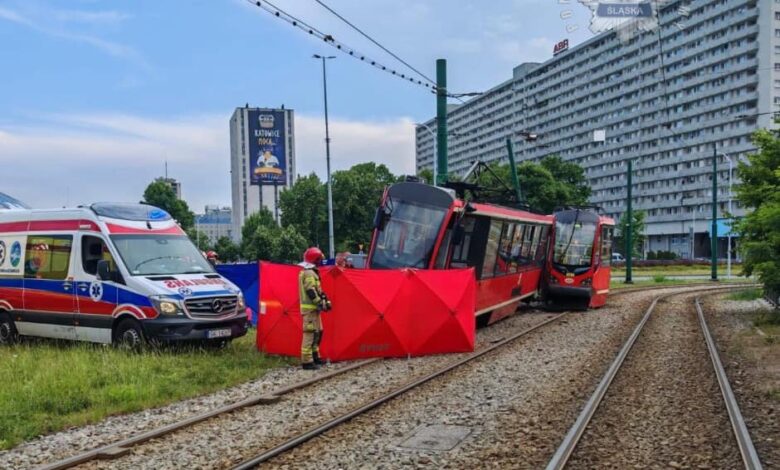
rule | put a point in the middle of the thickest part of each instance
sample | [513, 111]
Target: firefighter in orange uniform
[313, 301]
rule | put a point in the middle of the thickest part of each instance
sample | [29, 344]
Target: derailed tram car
[429, 227]
[578, 268]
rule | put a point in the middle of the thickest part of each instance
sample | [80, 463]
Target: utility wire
[330, 40]
[373, 41]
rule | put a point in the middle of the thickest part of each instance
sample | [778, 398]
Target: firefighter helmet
[313, 255]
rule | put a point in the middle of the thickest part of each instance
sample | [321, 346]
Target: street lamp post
[331, 242]
[728, 250]
[682, 223]
[433, 134]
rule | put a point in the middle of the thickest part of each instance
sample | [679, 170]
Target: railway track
[124, 446]
[575, 438]
[333, 423]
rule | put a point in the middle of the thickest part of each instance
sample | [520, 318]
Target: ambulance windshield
[149, 255]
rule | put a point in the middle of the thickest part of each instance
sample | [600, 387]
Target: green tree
[227, 251]
[426, 175]
[544, 186]
[357, 193]
[199, 238]
[257, 235]
[259, 245]
[304, 206]
[160, 194]
[637, 233]
[572, 177]
[289, 245]
[759, 192]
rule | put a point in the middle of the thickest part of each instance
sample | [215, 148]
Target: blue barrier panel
[247, 277]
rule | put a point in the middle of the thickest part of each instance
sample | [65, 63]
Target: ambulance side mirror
[104, 271]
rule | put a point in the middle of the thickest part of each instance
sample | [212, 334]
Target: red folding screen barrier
[376, 313]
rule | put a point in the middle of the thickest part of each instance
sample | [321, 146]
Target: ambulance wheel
[129, 335]
[8, 333]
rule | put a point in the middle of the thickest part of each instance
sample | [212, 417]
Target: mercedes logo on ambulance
[217, 306]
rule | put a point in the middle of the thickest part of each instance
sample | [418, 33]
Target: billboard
[267, 140]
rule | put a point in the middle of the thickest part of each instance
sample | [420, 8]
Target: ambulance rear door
[49, 291]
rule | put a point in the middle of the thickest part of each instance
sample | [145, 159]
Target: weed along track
[664, 402]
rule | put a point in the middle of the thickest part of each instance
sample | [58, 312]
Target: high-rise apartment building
[262, 160]
[701, 82]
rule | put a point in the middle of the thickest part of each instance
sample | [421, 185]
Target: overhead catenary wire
[330, 40]
[365, 35]
[333, 42]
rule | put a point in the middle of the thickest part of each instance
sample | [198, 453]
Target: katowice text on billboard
[268, 164]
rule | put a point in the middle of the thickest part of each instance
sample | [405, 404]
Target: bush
[659, 278]
[747, 294]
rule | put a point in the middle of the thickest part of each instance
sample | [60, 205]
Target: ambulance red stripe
[121, 229]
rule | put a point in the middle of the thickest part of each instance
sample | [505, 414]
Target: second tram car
[580, 258]
[429, 227]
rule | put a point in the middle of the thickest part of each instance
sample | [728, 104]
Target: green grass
[747, 294]
[678, 270]
[659, 278]
[48, 385]
[618, 283]
[769, 321]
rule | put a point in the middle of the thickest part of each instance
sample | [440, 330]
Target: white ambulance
[110, 273]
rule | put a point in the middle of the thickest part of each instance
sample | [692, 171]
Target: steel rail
[122, 447]
[745, 443]
[322, 428]
[572, 438]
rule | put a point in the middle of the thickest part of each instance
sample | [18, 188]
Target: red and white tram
[578, 265]
[423, 226]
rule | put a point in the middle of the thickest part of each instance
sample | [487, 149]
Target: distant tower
[262, 160]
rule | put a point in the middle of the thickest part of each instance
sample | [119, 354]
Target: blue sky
[95, 95]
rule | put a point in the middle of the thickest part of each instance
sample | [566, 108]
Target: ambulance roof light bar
[126, 211]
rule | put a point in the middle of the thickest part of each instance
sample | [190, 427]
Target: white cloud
[390, 142]
[83, 158]
[90, 17]
[53, 24]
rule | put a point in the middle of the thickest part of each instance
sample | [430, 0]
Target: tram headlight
[553, 280]
[587, 282]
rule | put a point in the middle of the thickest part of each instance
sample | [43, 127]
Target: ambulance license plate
[221, 333]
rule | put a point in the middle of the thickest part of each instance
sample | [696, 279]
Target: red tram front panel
[580, 258]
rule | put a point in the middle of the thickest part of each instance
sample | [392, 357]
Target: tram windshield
[574, 242]
[408, 236]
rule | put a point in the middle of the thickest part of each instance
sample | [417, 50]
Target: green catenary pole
[441, 121]
[714, 234]
[513, 168]
[629, 226]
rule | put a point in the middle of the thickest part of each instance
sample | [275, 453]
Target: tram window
[517, 242]
[541, 252]
[504, 249]
[606, 246]
[460, 254]
[441, 256]
[528, 238]
[491, 248]
[535, 248]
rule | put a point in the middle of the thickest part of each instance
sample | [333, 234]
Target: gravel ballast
[751, 373]
[517, 405]
[664, 408]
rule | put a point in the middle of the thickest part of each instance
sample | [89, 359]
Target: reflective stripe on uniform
[308, 280]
